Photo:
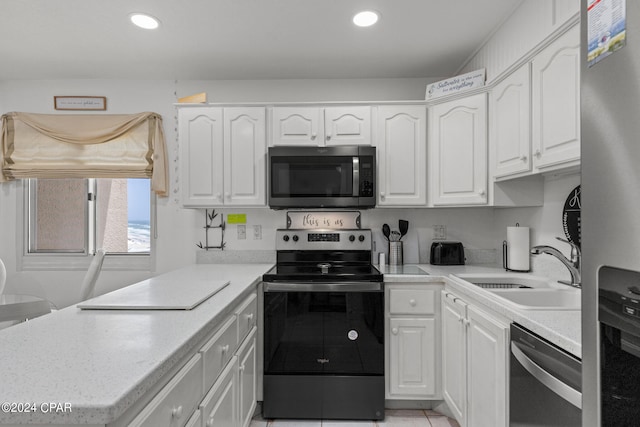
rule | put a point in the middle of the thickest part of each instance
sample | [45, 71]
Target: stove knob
[352, 238]
[285, 238]
[295, 238]
[361, 238]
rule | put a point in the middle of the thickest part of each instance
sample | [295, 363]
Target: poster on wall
[571, 216]
[606, 28]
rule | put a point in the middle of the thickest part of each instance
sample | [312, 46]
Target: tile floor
[393, 418]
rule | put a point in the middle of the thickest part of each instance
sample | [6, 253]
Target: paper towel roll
[518, 248]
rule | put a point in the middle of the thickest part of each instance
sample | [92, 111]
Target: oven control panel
[323, 239]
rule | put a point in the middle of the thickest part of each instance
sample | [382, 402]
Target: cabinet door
[454, 359]
[201, 156]
[487, 370]
[347, 125]
[458, 156]
[402, 161]
[556, 102]
[412, 359]
[247, 379]
[245, 157]
[296, 126]
[511, 124]
[219, 407]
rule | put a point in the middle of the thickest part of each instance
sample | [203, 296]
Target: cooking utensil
[395, 236]
[386, 230]
[403, 226]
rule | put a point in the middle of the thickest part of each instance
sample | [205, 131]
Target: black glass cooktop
[323, 272]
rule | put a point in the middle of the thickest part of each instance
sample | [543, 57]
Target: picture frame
[80, 103]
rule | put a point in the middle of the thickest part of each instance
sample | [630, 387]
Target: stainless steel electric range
[323, 328]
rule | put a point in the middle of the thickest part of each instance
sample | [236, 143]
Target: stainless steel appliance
[323, 328]
[544, 383]
[611, 226]
[322, 177]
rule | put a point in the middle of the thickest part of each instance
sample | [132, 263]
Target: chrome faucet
[572, 264]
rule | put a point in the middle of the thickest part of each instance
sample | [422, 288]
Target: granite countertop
[102, 361]
[560, 327]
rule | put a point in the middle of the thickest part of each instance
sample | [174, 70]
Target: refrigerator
[610, 144]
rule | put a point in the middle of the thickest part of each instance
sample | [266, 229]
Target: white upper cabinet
[556, 103]
[222, 156]
[458, 151]
[317, 126]
[347, 125]
[297, 126]
[510, 130]
[402, 159]
[245, 158]
[201, 156]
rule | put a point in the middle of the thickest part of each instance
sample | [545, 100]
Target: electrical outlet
[439, 232]
[257, 232]
[242, 232]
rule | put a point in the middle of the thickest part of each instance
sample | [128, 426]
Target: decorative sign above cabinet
[461, 83]
[98, 103]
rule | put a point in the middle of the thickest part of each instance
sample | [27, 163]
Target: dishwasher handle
[563, 390]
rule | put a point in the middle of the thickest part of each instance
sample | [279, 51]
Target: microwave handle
[356, 176]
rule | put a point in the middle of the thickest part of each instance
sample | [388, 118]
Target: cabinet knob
[523, 158]
[224, 349]
[177, 412]
[466, 322]
[461, 320]
[241, 368]
[394, 331]
[382, 196]
[538, 153]
[250, 317]
[313, 136]
[481, 192]
[218, 196]
[328, 137]
[210, 422]
[412, 302]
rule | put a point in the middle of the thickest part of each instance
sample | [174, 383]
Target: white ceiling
[242, 39]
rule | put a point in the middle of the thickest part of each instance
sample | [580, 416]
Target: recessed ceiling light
[365, 18]
[145, 21]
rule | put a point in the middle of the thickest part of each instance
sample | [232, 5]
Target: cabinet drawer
[175, 403]
[219, 407]
[217, 352]
[412, 301]
[247, 314]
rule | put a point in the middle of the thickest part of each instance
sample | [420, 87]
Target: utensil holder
[395, 253]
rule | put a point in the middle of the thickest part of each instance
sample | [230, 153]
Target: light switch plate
[439, 232]
[242, 232]
[257, 232]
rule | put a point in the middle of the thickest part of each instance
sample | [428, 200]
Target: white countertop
[560, 327]
[102, 361]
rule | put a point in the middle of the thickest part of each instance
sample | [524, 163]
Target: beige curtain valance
[84, 146]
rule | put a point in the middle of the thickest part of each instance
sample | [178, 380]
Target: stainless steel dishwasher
[545, 383]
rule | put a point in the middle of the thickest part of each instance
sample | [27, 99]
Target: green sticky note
[236, 218]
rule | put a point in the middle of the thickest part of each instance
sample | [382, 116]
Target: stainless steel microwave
[322, 177]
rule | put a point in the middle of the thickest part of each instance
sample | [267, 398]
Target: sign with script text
[323, 219]
[461, 83]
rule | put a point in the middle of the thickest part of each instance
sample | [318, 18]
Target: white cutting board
[156, 294]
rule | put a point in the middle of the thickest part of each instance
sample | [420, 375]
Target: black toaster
[447, 253]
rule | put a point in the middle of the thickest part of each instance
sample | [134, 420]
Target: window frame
[75, 260]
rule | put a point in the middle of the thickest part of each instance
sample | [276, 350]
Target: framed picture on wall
[78, 103]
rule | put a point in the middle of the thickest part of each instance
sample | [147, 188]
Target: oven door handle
[323, 287]
[563, 390]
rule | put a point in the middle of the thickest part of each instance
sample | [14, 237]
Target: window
[74, 216]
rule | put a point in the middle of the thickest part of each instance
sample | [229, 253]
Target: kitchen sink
[527, 292]
[509, 281]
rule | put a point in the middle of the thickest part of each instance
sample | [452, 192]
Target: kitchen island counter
[97, 363]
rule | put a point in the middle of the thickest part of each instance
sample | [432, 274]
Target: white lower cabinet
[475, 364]
[413, 336]
[217, 385]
